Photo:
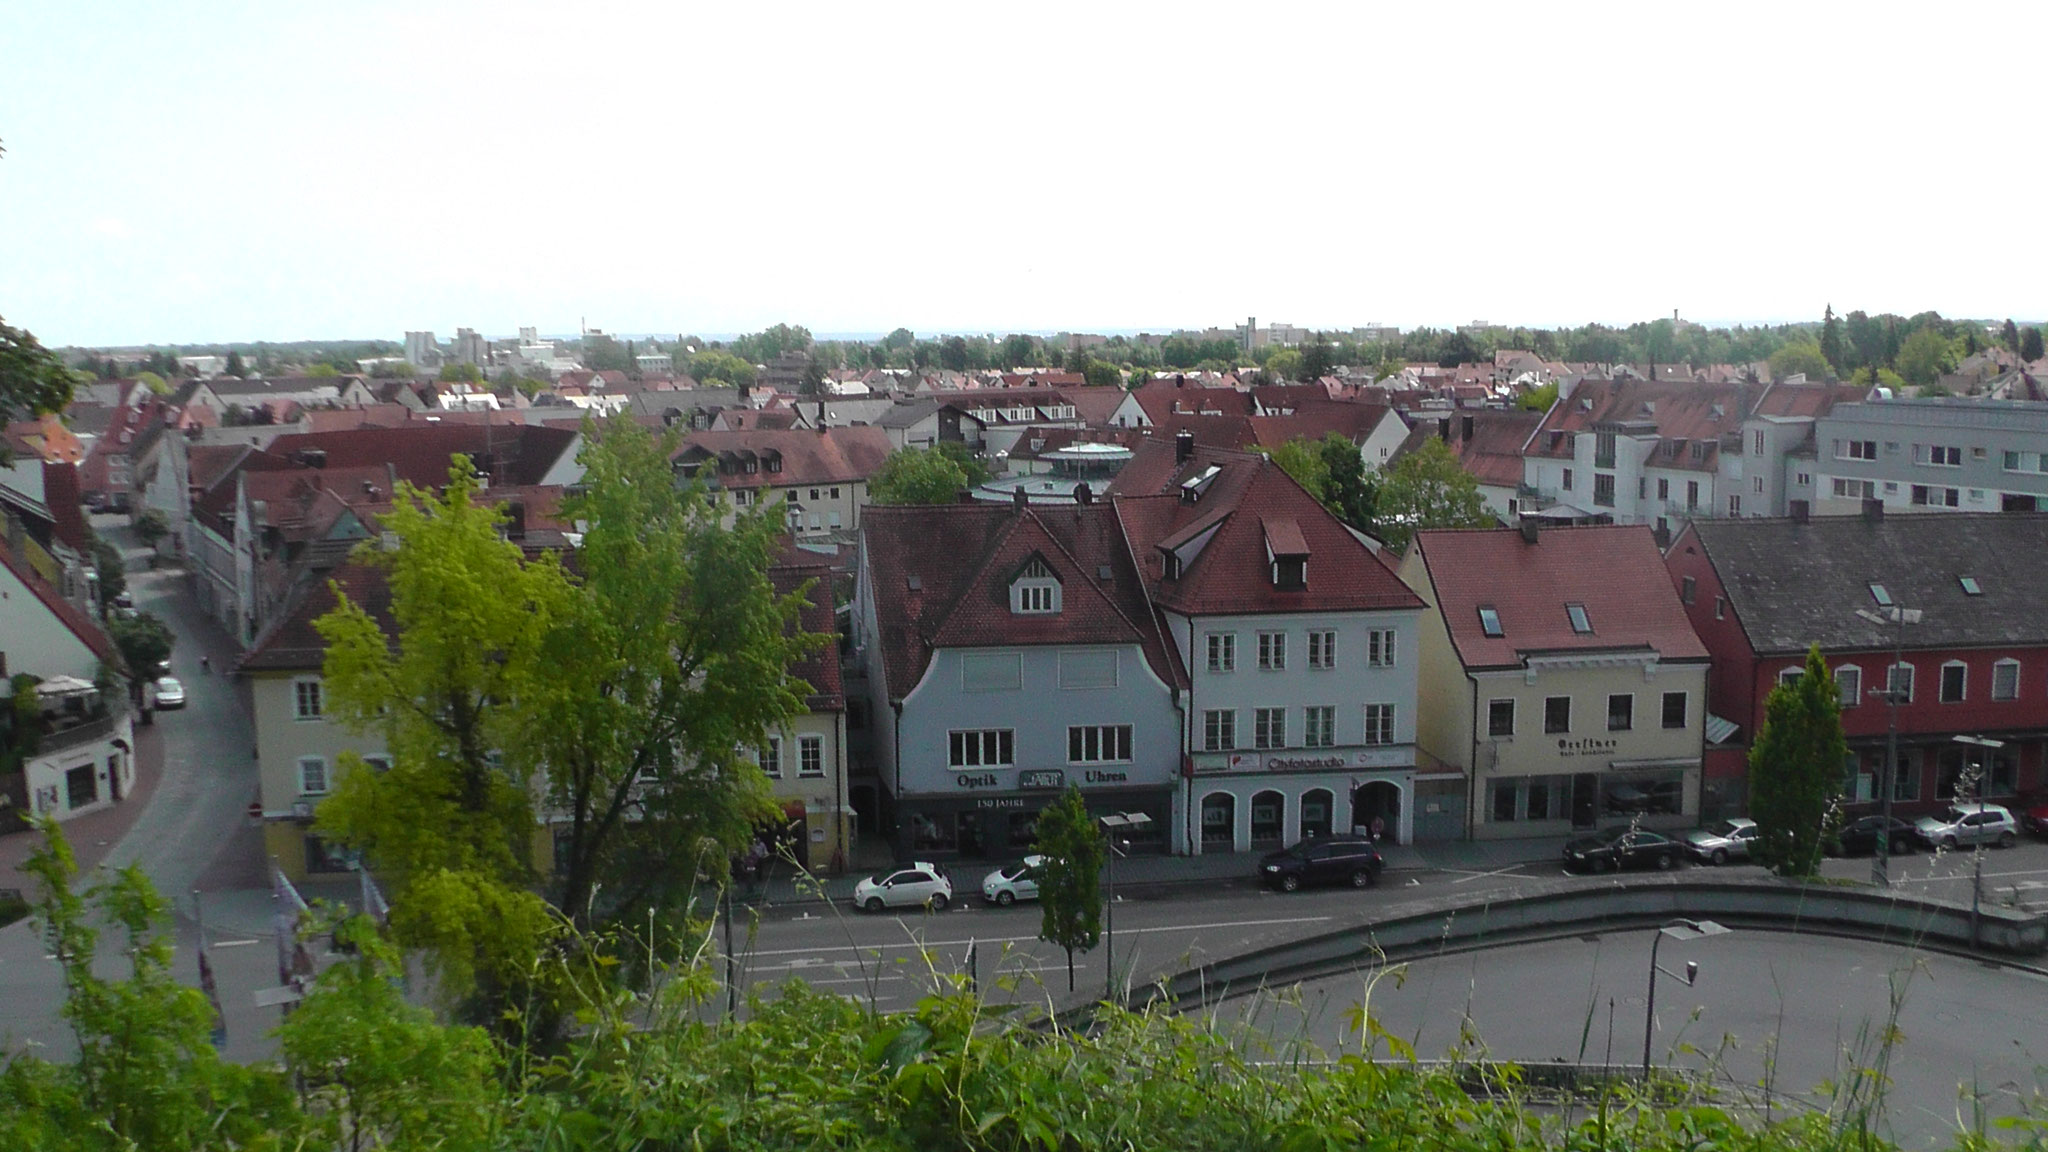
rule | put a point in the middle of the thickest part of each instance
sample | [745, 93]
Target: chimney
[1873, 510]
[1020, 498]
[1801, 511]
[821, 417]
[1464, 427]
[1443, 430]
[1179, 380]
[1183, 446]
[1530, 529]
[1084, 495]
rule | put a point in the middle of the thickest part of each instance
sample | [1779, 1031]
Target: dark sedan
[1859, 836]
[1622, 847]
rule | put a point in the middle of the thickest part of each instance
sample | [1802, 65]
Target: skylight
[1970, 586]
[1878, 593]
[1581, 623]
[1489, 622]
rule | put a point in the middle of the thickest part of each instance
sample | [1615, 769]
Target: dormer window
[1287, 552]
[1035, 591]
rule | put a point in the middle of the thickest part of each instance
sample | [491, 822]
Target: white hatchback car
[1965, 824]
[916, 885]
[168, 692]
[1005, 886]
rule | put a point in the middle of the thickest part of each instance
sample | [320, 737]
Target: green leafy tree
[144, 643]
[959, 453]
[1799, 356]
[1020, 351]
[764, 346]
[1539, 398]
[1428, 488]
[451, 821]
[1795, 770]
[601, 353]
[1831, 338]
[1070, 886]
[900, 339]
[917, 476]
[715, 367]
[461, 374]
[235, 367]
[151, 527]
[1318, 358]
[672, 654]
[111, 569]
[1302, 459]
[156, 384]
[2010, 336]
[1102, 374]
[322, 371]
[1284, 364]
[1924, 356]
[1877, 374]
[1455, 349]
[2030, 345]
[32, 379]
[1865, 335]
[1349, 490]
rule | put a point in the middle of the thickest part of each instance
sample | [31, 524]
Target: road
[1789, 1010]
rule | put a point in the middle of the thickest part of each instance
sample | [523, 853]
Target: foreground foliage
[363, 1069]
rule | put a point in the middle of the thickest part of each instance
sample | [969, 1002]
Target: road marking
[926, 944]
[1464, 876]
[231, 943]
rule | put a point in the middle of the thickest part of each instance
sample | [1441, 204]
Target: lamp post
[1677, 930]
[1112, 824]
[1898, 617]
[1977, 794]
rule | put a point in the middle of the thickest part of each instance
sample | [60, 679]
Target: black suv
[1325, 860]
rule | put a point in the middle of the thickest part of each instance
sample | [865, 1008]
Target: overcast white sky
[218, 170]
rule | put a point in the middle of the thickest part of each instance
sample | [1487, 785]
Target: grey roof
[903, 415]
[1795, 584]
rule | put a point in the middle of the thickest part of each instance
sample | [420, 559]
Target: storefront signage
[1098, 776]
[1393, 756]
[1586, 747]
[1042, 778]
[977, 780]
[999, 802]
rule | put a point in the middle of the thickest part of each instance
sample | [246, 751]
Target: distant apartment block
[1930, 455]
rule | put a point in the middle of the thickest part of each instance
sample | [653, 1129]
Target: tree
[601, 353]
[1879, 375]
[2010, 336]
[144, 643]
[450, 822]
[1795, 770]
[1924, 356]
[674, 653]
[1539, 398]
[1101, 374]
[156, 384]
[151, 527]
[33, 380]
[1070, 885]
[2030, 345]
[1428, 488]
[1019, 351]
[1796, 357]
[235, 367]
[1302, 459]
[714, 367]
[901, 338]
[1348, 490]
[111, 569]
[322, 371]
[1455, 349]
[953, 354]
[1831, 338]
[1284, 364]
[1866, 338]
[764, 346]
[959, 453]
[1318, 357]
[917, 476]
[461, 374]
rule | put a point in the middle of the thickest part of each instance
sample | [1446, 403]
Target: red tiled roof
[820, 669]
[1692, 411]
[834, 456]
[292, 644]
[1795, 401]
[1492, 454]
[419, 452]
[1615, 571]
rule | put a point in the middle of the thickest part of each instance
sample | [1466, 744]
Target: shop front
[983, 821]
[1257, 802]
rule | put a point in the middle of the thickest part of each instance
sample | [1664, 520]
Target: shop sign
[1098, 776]
[1393, 756]
[1052, 778]
[976, 780]
[999, 802]
[1590, 746]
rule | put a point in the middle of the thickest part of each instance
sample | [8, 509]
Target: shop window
[934, 832]
[1316, 807]
[1643, 794]
[81, 786]
[1219, 820]
[1269, 813]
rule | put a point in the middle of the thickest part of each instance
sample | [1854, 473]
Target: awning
[1719, 731]
[64, 686]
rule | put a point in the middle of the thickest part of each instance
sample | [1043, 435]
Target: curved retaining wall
[1764, 903]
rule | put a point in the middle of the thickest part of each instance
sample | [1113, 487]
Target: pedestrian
[205, 663]
[1379, 827]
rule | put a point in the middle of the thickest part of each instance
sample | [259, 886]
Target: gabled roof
[292, 644]
[1614, 571]
[74, 618]
[1492, 453]
[419, 452]
[1232, 575]
[1691, 411]
[820, 669]
[832, 456]
[1793, 584]
[940, 578]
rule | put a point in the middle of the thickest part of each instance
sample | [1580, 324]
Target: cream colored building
[1561, 677]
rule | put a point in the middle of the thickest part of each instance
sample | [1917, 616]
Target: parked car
[1860, 835]
[2035, 819]
[1968, 824]
[1344, 859]
[916, 885]
[1007, 885]
[124, 599]
[1722, 842]
[169, 693]
[1623, 846]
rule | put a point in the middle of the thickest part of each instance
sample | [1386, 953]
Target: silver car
[1722, 842]
[1969, 824]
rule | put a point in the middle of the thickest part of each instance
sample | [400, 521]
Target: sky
[219, 170]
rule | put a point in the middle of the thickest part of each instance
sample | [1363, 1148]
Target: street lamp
[1112, 824]
[1898, 617]
[1976, 793]
[1677, 930]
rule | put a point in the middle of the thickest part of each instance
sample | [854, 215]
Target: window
[1035, 590]
[81, 786]
[1489, 621]
[1529, 798]
[1675, 709]
[1098, 743]
[1319, 726]
[1757, 485]
[991, 672]
[1855, 489]
[1567, 479]
[1379, 723]
[1272, 651]
[306, 699]
[1219, 730]
[1603, 489]
[1938, 455]
[1687, 587]
[1557, 714]
[1692, 495]
[312, 776]
[1901, 687]
[1621, 712]
[1269, 727]
[814, 493]
[771, 758]
[1849, 683]
[1500, 719]
[1322, 648]
[810, 755]
[1935, 496]
[1088, 669]
[1882, 595]
[1581, 623]
[982, 748]
[1379, 651]
[1855, 449]
[1720, 607]
[2005, 680]
[1642, 487]
[1222, 652]
[1663, 488]
[1954, 683]
[1603, 452]
[835, 493]
[1735, 505]
[1790, 676]
[1756, 444]
[1906, 784]
[1803, 479]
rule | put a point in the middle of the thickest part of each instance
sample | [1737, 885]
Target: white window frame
[1963, 695]
[1272, 651]
[771, 758]
[1380, 724]
[2012, 691]
[309, 690]
[972, 749]
[1219, 730]
[1322, 648]
[1222, 652]
[1790, 674]
[1269, 729]
[1112, 743]
[1035, 597]
[810, 756]
[319, 775]
[1849, 684]
[1319, 726]
[1514, 717]
[1892, 686]
[1380, 647]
